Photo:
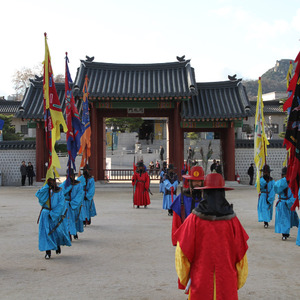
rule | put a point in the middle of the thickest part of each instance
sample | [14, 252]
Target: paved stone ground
[127, 253]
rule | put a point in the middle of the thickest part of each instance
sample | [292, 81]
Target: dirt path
[126, 253]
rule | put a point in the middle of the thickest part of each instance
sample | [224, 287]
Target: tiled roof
[33, 100]
[217, 100]
[146, 81]
[270, 107]
[8, 145]
[9, 107]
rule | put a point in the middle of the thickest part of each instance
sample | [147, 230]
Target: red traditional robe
[212, 253]
[142, 183]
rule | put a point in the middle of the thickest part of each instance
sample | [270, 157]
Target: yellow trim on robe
[182, 265]
[242, 271]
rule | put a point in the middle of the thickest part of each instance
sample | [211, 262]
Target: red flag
[292, 136]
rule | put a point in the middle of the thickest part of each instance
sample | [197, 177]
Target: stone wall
[244, 157]
[10, 162]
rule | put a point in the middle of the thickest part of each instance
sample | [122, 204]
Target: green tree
[193, 135]
[8, 130]
[130, 124]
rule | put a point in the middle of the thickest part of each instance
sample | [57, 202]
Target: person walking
[23, 170]
[74, 195]
[141, 182]
[251, 173]
[210, 257]
[186, 201]
[266, 197]
[162, 176]
[52, 230]
[88, 183]
[285, 219]
[170, 188]
[30, 173]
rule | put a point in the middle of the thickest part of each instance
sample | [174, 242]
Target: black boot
[266, 224]
[58, 251]
[48, 254]
[76, 237]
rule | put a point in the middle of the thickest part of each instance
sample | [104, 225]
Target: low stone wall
[244, 157]
[10, 162]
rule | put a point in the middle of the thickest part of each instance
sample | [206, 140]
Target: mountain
[273, 80]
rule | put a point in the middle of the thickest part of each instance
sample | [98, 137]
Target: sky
[220, 37]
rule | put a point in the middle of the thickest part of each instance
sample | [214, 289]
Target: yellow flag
[260, 139]
[53, 116]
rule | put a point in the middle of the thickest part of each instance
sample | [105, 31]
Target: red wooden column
[40, 151]
[228, 147]
[176, 141]
[95, 143]
[102, 145]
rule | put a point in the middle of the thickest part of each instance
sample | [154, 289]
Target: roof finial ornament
[89, 58]
[232, 78]
[180, 58]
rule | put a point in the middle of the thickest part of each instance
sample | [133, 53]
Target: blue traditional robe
[265, 200]
[284, 218]
[89, 192]
[161, 180]
[168, 184]
[76, 212]
[52, 214]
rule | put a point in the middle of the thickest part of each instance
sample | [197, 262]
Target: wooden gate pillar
[176, 141]
[228, 147]
[40, 152]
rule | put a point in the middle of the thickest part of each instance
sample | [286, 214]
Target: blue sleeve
[82, 180]
[263, 183]
[77, 196]
[271, 196]
[58, 210]
[43, 194]
[90, 192]
[280, 185]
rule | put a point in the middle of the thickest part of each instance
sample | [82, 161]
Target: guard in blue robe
[52, 230]
[88, 184]
[170, 188]
[74, 198]
[284, 218]
[266, 197]
[161, 177]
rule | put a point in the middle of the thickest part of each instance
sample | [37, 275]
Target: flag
[53, 116]
[1, 124]
[292, 85]
[260, 139]
[75, 127]
[85, 148]
[289, 75]
[292, 136]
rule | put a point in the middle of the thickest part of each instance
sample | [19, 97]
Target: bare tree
[21, 77]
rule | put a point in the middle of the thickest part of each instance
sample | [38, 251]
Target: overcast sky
[220, 37]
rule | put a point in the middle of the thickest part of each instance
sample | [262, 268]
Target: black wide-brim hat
[266, 168]
[86, 167]
[140, 164]
[72, 172]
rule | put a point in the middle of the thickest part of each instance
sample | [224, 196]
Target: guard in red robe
[141, 182]
[211, 247]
